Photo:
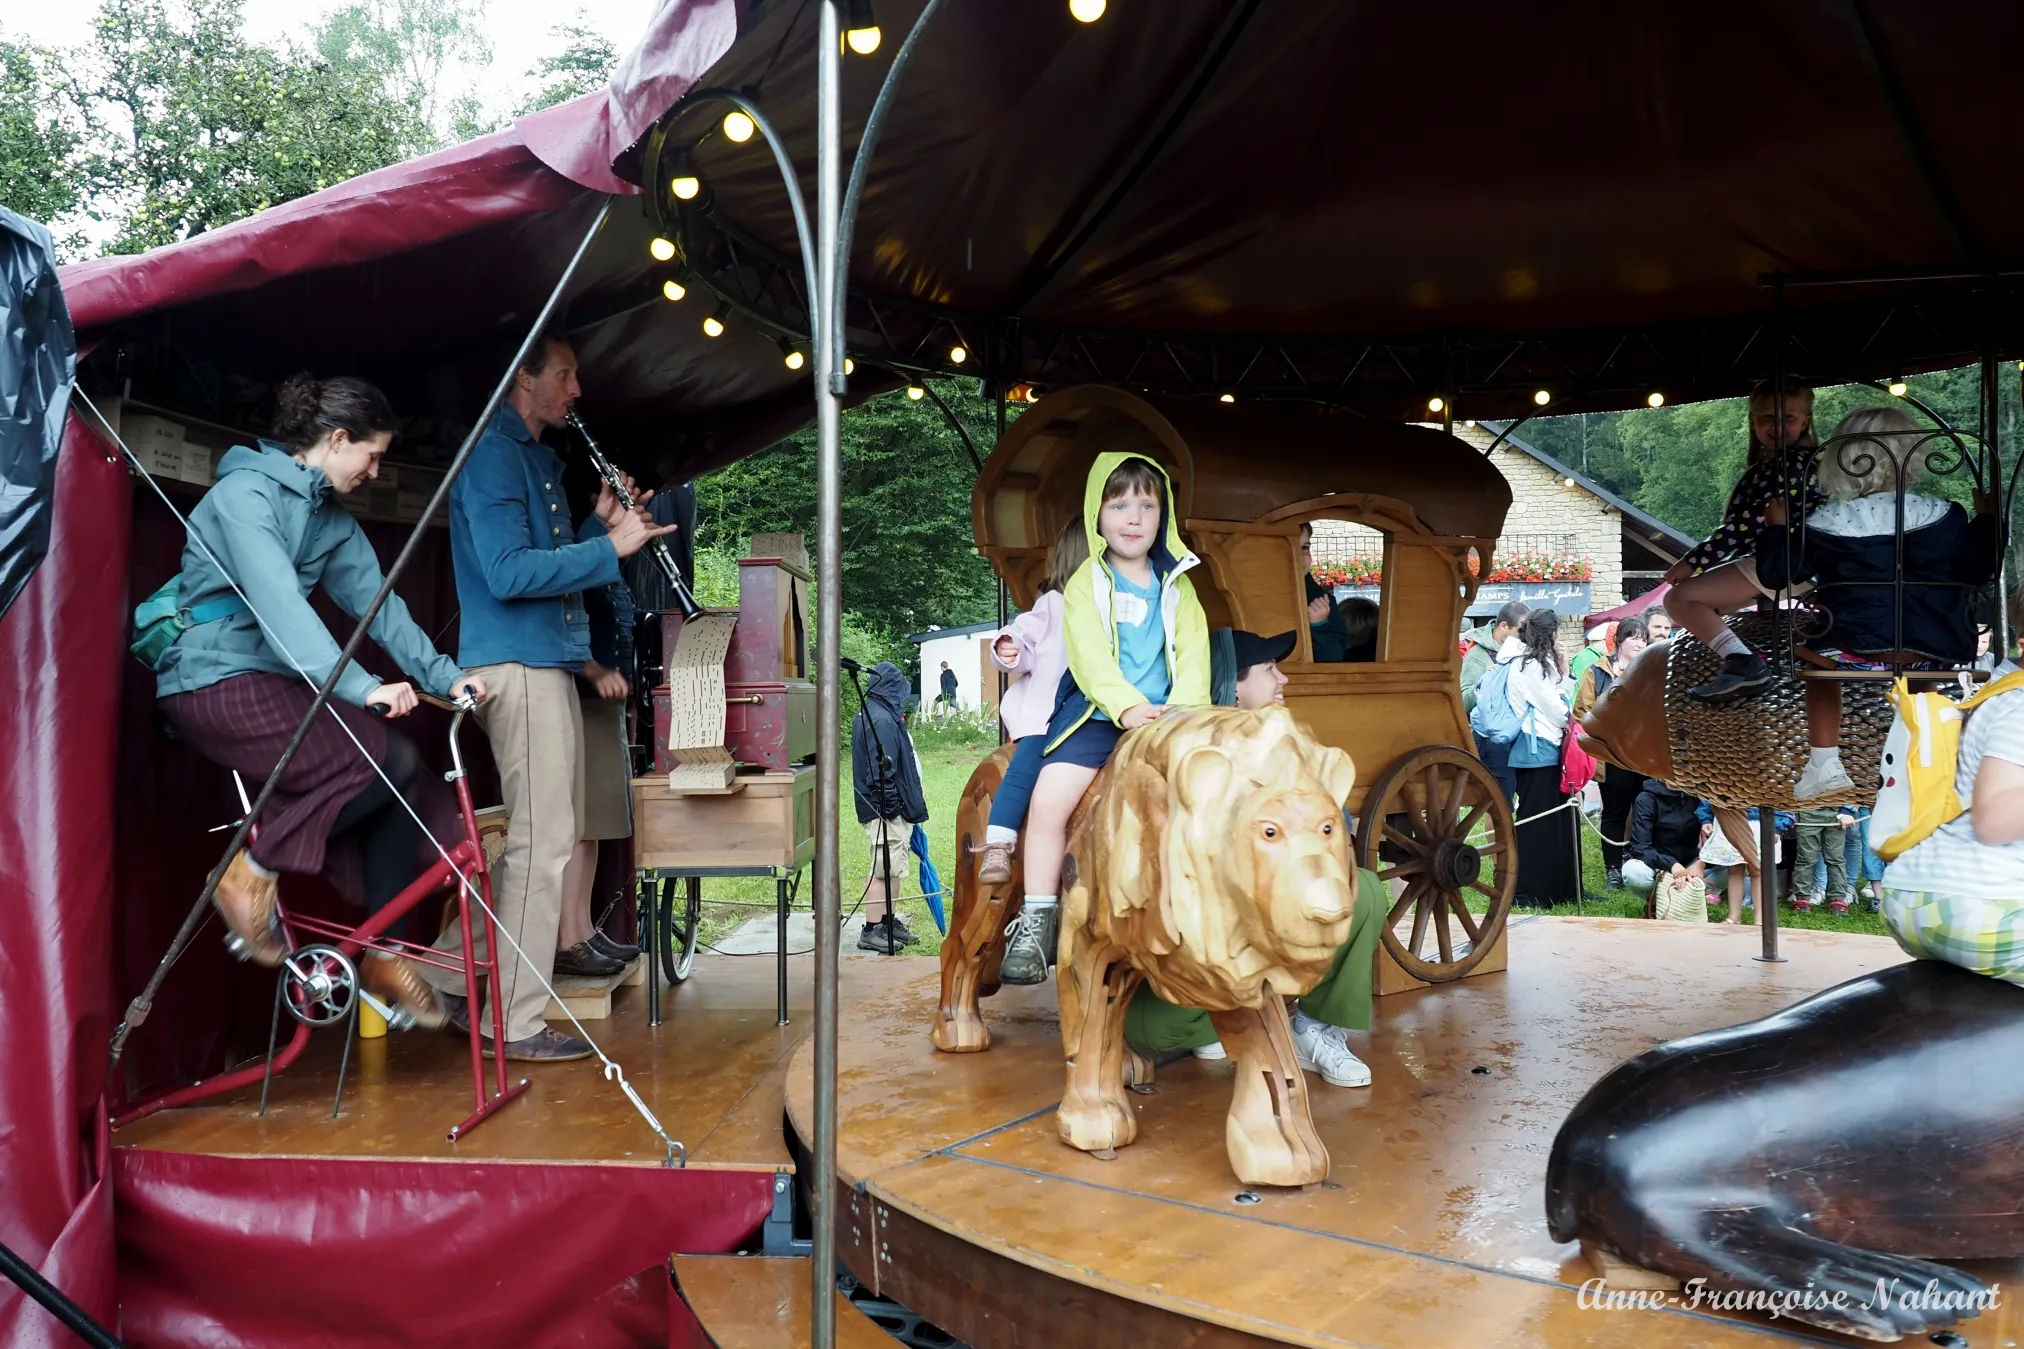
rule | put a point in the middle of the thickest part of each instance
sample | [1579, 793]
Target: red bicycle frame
[464, 867]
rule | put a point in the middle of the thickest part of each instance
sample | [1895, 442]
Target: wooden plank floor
[711, 1071]
[752, 1302]
[1431, 1228]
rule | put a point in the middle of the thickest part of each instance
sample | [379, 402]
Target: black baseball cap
[1251, 649]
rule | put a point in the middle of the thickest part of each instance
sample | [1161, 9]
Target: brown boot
[245, 899]
[396, 982]
[996, 866]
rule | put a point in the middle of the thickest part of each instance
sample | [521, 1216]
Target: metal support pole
[1992, 450]
[828, 900]
[1767, 882]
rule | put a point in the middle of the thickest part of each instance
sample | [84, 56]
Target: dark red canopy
[1364, 204]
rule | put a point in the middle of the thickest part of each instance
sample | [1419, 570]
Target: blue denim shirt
[521, 565]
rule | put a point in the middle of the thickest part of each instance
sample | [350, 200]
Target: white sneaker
[1823, 779]
[1212, 1050]
[1324, 1049]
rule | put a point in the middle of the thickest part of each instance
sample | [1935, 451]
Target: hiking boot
[995, 866]
[903, 934]
[396, 982]
[1740, 676]
[1324, 1049]
[547, 1045]
[246, 900]
[1612, 879]
[1823, 779]
[1029, 941]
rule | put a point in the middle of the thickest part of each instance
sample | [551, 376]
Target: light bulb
[849, 366]
[1897, 388]
[916, 392]
[1567, 482]
[1541, 397]
[957, 355]
[1655, 399]
[685, 186]
[662, 249]
[673, 290]
[1086, 11]
[863, 41]
[1225, 398]
[1435, 404]
[795, 360]
[1032, 394]
[713, 325]
[738, 126]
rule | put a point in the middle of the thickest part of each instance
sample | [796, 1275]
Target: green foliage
[584, 62]
[202, 127]
[404, 47]
[1679, 462]
[909, 559]
[41, 137]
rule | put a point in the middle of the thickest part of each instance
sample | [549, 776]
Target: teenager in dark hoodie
[886, 776]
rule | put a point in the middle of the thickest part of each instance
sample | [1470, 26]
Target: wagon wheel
[1416, 827]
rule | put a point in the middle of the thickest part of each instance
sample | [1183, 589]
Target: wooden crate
[769, 821]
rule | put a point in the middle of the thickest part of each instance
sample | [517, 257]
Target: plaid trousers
[1983, 935]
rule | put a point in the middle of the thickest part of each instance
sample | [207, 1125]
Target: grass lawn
[950, 750]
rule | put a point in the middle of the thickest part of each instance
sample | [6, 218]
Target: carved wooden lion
[1210, 859]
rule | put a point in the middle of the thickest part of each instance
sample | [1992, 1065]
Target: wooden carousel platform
[957, 1199]
[712, 1071]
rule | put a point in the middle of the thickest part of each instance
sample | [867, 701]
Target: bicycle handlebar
[463, 704]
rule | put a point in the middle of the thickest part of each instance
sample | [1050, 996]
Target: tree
[584, 62]
[406, 46]
[40, 138]
[202, 127]
[909, 558]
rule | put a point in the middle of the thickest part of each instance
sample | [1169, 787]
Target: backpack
[159, 621]
[1494, 719]
[1920, 757]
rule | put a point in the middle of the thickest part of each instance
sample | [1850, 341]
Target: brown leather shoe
[547, 1045]
[395, 981]
[996, 868]
[245, 900]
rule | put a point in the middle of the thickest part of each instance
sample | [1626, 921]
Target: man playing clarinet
[522, 567]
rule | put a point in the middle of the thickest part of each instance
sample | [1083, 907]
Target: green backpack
[159, 621]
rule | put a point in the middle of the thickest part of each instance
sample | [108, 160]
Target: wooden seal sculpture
[1837, 1147]
[1209, 859]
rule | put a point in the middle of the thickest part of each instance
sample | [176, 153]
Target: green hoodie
[271, 521]
[1091, 634]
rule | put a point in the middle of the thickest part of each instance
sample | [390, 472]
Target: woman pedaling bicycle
[232, 683]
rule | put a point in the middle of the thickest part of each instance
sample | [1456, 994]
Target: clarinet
[605, 470]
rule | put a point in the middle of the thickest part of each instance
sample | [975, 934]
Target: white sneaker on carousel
[1823, 778]
[1324, 1049]
[1212, 1051]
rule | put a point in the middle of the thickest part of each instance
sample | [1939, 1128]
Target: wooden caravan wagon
[1430, 819]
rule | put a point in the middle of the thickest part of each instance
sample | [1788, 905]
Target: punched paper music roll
[696, 704]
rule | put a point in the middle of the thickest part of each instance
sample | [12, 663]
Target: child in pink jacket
[1034, 647]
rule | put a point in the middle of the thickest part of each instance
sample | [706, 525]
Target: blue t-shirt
[1141, 639]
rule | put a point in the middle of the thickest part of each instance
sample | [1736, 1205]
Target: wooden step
[761, 1302]
[590, 999]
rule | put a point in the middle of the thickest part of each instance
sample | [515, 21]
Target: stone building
[1557, 516]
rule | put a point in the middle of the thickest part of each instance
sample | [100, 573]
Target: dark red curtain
[60, 670]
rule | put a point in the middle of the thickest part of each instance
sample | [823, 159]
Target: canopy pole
[1992, 446]
[824, 337]
[137, 1010]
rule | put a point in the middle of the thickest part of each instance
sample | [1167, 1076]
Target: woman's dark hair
[1632, 627]
[307, 408]
[1540, 633]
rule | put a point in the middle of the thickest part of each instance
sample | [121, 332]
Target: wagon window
[1344, 582]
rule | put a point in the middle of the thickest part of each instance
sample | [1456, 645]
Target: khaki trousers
[535, 724]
